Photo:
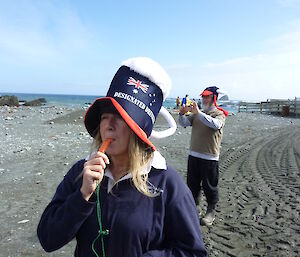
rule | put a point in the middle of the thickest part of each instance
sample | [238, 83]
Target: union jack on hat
[136, 92]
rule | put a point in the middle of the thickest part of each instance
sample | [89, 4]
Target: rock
[9, 100]
[36, 102]
[224, 98]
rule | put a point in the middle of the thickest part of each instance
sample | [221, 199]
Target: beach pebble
[22, 221]
[50, 145]
[18, 151]
[23, 150]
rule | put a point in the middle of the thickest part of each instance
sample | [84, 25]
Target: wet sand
[258, 211]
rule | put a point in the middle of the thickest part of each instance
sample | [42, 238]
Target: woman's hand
[93, 172]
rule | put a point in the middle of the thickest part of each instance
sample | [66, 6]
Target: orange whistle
[105, 144]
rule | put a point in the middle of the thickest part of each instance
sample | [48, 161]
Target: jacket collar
[157, 162]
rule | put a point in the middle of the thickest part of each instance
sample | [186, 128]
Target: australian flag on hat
[137, 92]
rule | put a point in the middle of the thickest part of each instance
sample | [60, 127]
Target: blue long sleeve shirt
[139, 226]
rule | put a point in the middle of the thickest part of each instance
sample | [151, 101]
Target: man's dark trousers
[206, 173]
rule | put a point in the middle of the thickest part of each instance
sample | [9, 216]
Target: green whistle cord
[101, 233]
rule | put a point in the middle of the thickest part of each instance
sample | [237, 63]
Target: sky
[250, 49]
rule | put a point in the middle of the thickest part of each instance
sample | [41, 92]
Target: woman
[142, 206]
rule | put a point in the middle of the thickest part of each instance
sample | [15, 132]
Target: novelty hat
[215, 92]
[137, 92]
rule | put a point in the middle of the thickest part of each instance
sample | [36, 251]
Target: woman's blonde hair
[139, 154]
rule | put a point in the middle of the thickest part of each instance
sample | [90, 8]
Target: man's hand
[194, 108]
[184, 109]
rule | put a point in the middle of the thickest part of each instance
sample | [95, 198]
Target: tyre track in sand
[258, 211]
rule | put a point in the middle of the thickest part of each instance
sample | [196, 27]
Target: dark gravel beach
[258, 212]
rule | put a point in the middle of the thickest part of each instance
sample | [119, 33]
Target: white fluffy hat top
[152, 70]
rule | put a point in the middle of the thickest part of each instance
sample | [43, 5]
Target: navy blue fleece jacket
[160, 226]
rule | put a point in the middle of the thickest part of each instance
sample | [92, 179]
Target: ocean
[78, 101]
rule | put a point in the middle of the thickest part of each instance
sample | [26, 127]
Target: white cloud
[288, 3]
[273, 74]
[45, 46]
[23, 45]
[41, 33]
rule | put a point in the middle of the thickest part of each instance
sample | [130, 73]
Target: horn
[171, 122]
[220, 92]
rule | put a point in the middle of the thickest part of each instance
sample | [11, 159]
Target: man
[185, 101]
[177, 102]
[199, 104]
[207, 131]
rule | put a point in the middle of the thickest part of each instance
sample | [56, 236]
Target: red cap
[206, 93]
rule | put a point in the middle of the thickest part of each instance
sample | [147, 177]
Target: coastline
[258, 211]
[84, 101]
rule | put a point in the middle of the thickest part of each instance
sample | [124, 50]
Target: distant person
[127, 201]
[177, 102]
[185, 101]
[199, 104]
[207, 132]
